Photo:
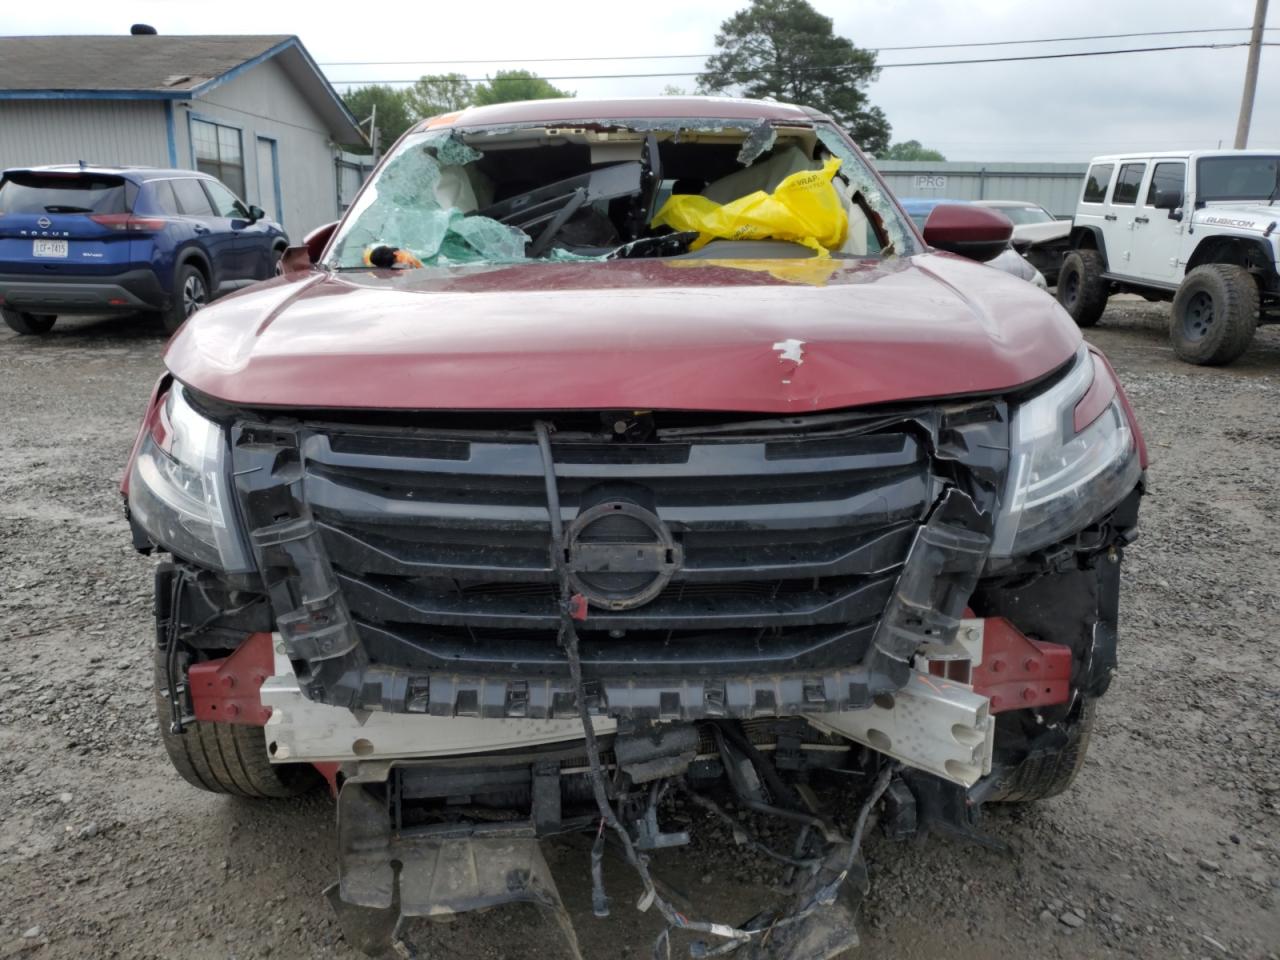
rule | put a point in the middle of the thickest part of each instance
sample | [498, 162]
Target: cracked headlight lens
[1062, 475]
[179, 490]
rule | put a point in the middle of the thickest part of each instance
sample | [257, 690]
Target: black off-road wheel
[190, 293]
[1082, 290]
[1215, 314]
[1048, 772]
[226, 758]
[28, 323]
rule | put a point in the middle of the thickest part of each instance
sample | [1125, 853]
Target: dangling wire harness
[573, 609]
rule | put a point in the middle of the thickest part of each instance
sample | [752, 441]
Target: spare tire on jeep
[1082, 290]
[1215, 313]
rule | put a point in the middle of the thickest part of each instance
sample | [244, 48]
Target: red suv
[512, 509]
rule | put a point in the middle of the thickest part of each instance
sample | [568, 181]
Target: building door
[269, 179]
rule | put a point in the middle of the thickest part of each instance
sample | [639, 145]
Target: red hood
[639, 334]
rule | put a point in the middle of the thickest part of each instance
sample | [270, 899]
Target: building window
[218, 153]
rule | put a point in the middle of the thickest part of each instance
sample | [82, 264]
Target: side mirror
[971, 231]
[1168, 200]
[256, 213]
[301, 258]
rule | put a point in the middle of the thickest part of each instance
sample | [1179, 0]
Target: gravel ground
[1168, 846]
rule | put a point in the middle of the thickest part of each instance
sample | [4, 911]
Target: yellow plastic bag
[803, 208]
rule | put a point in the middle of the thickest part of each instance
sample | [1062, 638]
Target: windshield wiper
[60, 208]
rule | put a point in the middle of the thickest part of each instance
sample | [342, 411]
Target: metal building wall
[353, 171]
[96, 131]
[1055, 186]
[264, 102]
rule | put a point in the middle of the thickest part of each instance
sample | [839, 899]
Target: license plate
[49, 248]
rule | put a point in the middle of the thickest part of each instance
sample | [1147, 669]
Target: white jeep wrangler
[1197, 227]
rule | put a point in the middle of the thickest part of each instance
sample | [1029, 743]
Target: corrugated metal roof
[158, 64]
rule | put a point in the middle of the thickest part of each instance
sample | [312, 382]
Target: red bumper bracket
[226, 690]
[1017, 672]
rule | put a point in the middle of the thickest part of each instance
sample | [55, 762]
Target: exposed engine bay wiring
[573, 608]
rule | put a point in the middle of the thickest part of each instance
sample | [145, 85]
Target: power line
[844, 66]
[703, 56]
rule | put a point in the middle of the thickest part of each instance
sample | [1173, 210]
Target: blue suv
[87, 239]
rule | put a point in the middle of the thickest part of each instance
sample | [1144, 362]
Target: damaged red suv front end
[512, 499]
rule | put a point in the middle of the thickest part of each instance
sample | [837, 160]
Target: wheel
[277, 255]
[1215, 313]
[1046, 773]
[35, 323]
[190, 293]
[1082, 291]
[225, 757]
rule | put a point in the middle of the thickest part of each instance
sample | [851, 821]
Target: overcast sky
[1048, 110]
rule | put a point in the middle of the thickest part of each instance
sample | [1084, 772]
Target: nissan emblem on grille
[619, 555]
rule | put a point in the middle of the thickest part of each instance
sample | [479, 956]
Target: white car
[1195, 227]
[1010, 261]
[1037, 234]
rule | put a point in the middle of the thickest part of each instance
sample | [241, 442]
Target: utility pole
[1251, 76]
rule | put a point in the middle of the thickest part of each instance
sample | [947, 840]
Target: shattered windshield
[615, 189]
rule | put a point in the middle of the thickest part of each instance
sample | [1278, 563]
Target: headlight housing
[1064, 475]
[179, 487]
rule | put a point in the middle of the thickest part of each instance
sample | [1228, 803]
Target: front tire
[1082, 290]
[190, 293]
[1215, 314]
[228, 758]
[36, 324]
[1047, 773]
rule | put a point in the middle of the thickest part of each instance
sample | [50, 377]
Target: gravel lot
[1168, 846]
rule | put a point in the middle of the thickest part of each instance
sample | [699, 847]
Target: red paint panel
[226, 690]
[1017, 672]
[329, 770]
[1138, 438]
[1097, 398]
[151, 421]
[641, 334]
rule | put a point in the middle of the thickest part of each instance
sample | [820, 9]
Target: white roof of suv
[1182, 155]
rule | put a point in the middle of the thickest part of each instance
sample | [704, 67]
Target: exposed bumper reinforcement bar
[933, 723]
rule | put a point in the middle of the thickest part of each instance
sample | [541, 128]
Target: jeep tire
[28, 323]
[1215, 313]
[1082, 290]
[190, 293]
[1046, 773]
[226, 758]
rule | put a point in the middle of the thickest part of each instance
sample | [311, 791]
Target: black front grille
[442, 547]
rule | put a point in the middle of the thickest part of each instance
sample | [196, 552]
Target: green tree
[439, 93]
[394, 117]
[787, 50]
[508, 85]
[911, 150]
[671, 90]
